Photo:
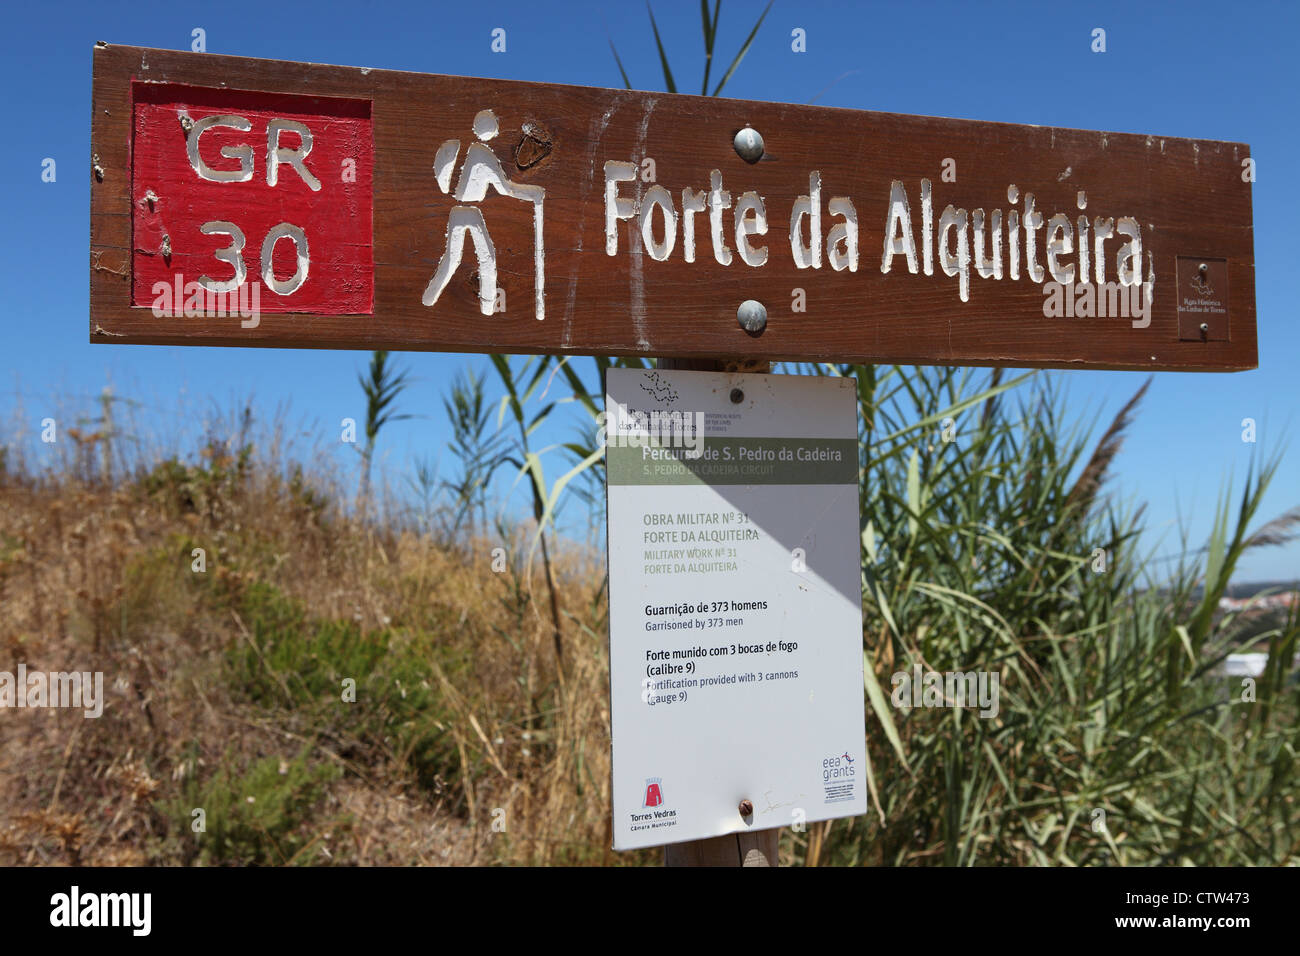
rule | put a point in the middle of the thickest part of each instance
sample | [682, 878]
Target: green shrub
[296, 665]
[263, 815]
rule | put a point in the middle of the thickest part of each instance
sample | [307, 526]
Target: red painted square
[172, 199]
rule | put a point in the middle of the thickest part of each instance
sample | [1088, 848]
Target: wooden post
[756, 847]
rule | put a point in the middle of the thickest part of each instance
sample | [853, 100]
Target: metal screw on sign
[737, 396]
[752, 316]
[749, 145]
[746, 808]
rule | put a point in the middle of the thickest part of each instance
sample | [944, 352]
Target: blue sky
[1202, 70]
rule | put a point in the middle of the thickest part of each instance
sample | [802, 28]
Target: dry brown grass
[98, 578]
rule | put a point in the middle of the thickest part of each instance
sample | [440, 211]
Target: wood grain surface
[1188, 197]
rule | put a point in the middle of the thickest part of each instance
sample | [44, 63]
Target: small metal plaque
[1202, 299]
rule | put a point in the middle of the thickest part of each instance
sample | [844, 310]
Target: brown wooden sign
[244, 202]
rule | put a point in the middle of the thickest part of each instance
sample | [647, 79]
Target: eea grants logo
[839, 778]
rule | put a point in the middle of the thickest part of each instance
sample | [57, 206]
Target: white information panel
[735, 602]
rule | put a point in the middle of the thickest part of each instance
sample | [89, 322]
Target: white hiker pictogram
[481, 170]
